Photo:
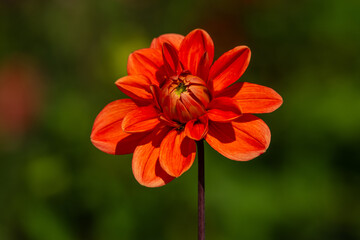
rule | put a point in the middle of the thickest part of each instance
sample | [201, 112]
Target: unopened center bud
[184, 98]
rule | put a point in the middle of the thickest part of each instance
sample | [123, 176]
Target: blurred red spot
[20, 96]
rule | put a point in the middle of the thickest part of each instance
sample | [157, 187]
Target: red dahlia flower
[178, 97]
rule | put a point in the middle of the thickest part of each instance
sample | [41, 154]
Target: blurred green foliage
[55, 185]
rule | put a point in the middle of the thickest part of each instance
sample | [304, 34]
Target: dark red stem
[201, 190]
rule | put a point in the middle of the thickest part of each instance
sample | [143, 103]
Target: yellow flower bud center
[180, 88]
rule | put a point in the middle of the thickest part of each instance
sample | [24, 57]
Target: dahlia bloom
[179, 96]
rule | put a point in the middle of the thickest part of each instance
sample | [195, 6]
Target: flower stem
[201, 191]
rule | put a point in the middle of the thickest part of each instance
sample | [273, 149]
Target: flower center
[184, 98]
[180, 88]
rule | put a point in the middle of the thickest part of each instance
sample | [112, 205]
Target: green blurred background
[59, 60]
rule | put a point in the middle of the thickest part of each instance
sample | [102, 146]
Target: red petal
[171, 60]
[204, 66]
[201, 93]
[169, 122]
[174, 39]
[197, 128]
[194, 80]
[240, 140]
[155, 92]
[145, 62]
[228, 68]
[177, 153]
[223, 109]
[193, 48]
[107, 134]
[145, 164]
[168, 104]
[141, 119]
[253, 98]
[135, 86]
[194, 108]
[182, 113]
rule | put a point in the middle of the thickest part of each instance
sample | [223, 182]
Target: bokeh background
[58, 64]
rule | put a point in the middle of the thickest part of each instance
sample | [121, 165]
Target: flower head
[178, 97]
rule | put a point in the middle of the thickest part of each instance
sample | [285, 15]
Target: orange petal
[253, 98]
[223, 109]
[174, 39]
[145, 164]
[240, 140]
[197, 128]
[177, 153]
[192, 51]
[145, 62]
[228, 68]
[141, 119]
[107, 134]
[135, 86]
